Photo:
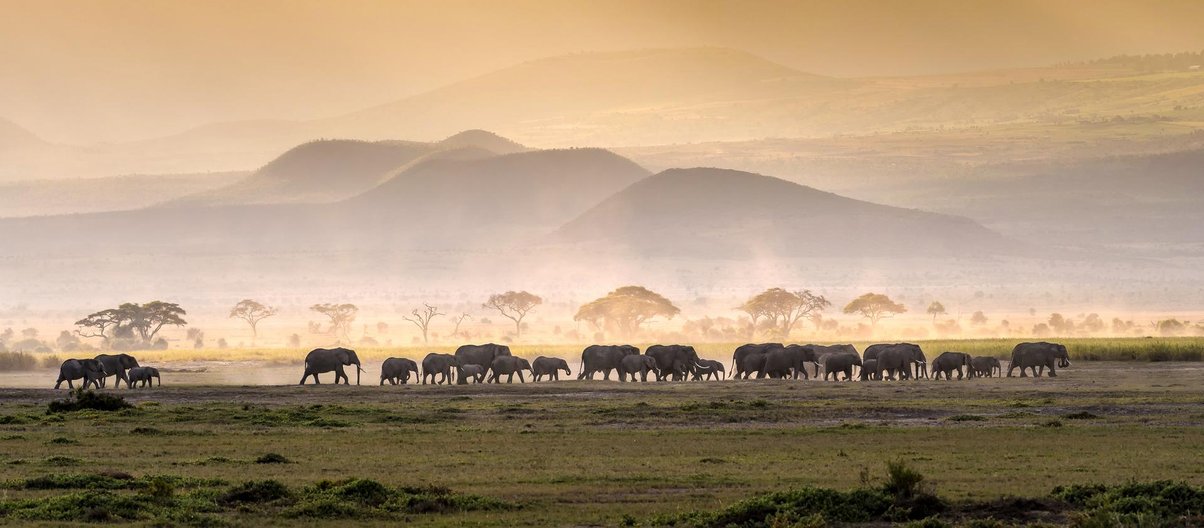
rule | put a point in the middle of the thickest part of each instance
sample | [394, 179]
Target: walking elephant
[482, 355]
[508, 366]
[948, 362]
[789, 361]
[1037, 356]
[673, 360]
[840, 362]
[869, 370]
[550, 367]
[750, 348]
[750, 363]
[637, 364]
[469, 372]
[436, 364]
[603, 358]
[901, 360]
[819, 351]
[320, 360]
[89, 370]
[143, 375]
[708, 369]
[986, 366]
[116, 365]
[397, 370]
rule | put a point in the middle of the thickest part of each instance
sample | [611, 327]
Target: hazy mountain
[724, 214]
[117, 193]
[483, 139]
[12, 136]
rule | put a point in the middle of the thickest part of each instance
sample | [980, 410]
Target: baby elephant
[633, 364]
[473, 372]
[508, 366]
[397, 370]
[550, 367]
[986, 367]
[948, 362]
[707, 369]
[142, 374]
[869, 370]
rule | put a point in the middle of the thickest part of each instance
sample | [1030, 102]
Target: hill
[89, 195]
[14, 136]
[727, 214]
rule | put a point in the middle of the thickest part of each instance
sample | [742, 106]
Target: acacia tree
[978, 319]
[875, 307]
[784, 309]
[626, 309]
[252, 312]
[141, 322]
[341, 316]
[513, 306]
[458, 319]
[935, 309]
[422, 319]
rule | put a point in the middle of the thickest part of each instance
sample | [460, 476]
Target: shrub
[254, 492]
[902, 482]
[966, 418]
[79, 399]
[12, 361]
[272, 458]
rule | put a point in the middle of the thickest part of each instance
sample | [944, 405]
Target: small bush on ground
[79, 399]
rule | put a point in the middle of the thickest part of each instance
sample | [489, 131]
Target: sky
[118, 70]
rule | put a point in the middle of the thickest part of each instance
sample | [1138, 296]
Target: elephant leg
[1052, 373]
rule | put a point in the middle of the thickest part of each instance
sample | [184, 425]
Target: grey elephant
[550, 367]
[789, 361]
[869, 370]
[321, 360]
[397, 370]
[89, 370]
[1039, 356]
[901, 361]
[508, 366]
[673, 360]
[603, 358]
[708, 369]
[948, 362]
[469, 372]
[116, 365]
[637, 364]
[750, 363]
[142, 375]
[986, 366]
[482, 355]
[819, 351]
[750, 348]
[436, 364]
[840, 362]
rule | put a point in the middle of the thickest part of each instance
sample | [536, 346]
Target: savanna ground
[584, 453]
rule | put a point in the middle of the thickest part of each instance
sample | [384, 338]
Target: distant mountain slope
[13, 136]
[718, 213]
[89, 195]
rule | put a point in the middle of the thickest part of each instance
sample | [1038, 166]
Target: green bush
[272, 458]
[79, 399]
[255, 492]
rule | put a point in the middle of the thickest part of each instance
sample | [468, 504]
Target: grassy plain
[596, 453]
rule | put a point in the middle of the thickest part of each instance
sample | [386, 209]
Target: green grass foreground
[595, 453]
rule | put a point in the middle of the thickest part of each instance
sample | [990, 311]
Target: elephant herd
[895, 361]
[96, 371]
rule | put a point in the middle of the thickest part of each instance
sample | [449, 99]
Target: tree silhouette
[936, 309]
[341, 316]
[132, 321]
[458, 319]
[252, 312]
[422, 319]
[513, 306]
[875, 307]
[626, 309]
[978, 318]
[784, 309]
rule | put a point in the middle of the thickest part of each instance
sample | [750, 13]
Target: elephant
[790, 360]
[550, 367]
[470, 372]
[948, 362]
[435, 364]
[482, 355]
[869, 370]
[508, 366]
[89, 370]
[872, 351]
[746, 349]
[708, 369]
[904, 360]
[603, 358]
[397, 370]
[1039, 356]
[675, 360]
[116, 365]
[637, 364]
[819, 351]
[986, 366]
[321, 360]
[837, 362]
[749, 363]
[144, 375]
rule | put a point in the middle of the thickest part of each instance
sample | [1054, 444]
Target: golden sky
[111, 70]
